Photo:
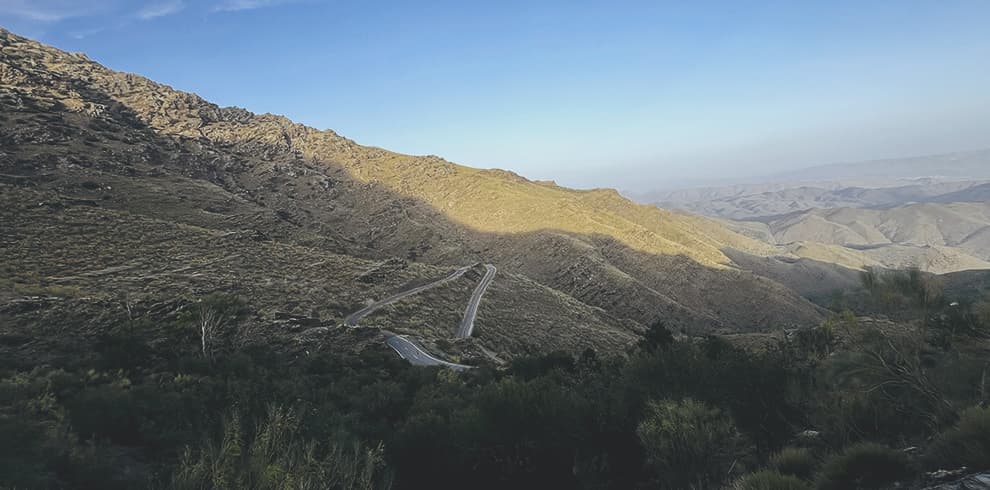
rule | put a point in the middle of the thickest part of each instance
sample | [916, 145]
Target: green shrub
[966, 444]
[982, 312]
[770, 480]
[278, 456]
[864, 465]
[795, 461]
[688, 443]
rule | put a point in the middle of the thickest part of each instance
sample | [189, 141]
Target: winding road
[408, 349]
[467, 323]
[353, 319]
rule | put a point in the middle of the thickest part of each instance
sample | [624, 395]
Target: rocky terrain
[120, 191]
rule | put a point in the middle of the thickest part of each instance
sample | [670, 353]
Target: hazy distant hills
[115, 187]
[930, 212]
[968, 165]
[933, 236]
[952, 177]
[963, 225]
[976, 193]
[759, 200]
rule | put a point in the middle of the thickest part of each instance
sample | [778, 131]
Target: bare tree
[210, 321]
[892, 367]
[129, 307]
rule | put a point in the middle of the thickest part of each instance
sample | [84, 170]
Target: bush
[982, 312]
[770, 480]
[864, 465]
[688, 443]
[794, 461]
[967, 444]
[277, 456]
[657, 337]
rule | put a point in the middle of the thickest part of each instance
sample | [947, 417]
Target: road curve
[411, 352]
[467, 323]
[353, 319]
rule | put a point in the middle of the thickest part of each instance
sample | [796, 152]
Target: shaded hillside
[125, 151]
[67, 259]
[977, 193]
[814, 279]
[968, 285]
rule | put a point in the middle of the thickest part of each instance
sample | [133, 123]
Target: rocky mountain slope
[116, 186]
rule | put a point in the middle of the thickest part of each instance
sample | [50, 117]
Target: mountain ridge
[124, 143]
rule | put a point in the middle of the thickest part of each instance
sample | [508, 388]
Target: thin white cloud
[83, 34]
[56, 11]
[156, 10]
[48, 11]
[237, 5]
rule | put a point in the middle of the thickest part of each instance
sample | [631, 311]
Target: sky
[634, 95]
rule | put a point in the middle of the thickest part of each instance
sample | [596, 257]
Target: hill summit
[116, 186]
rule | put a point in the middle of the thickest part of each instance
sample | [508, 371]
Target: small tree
[688, 443]
[770, 480]
[967, 444]
[795, 461]
[657, 337]
[212, 317]
[275, 454]
[911, 287]
[864, 466]
[893, 370]
[871, 281]
[981, 311]
[209, 321]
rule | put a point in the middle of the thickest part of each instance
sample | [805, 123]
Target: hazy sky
[633, 95]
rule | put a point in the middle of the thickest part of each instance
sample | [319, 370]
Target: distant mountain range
[930, 212]
[761, 200]
[933, 236]
[967, 165]
[115, 189]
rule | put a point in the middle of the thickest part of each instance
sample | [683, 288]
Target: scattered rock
[979, 481]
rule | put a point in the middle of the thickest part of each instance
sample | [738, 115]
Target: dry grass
[121, 186]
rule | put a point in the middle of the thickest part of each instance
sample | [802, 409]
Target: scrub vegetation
[153, 408]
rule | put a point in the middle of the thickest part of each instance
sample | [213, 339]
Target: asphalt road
[353, 319]
[406, 348]
[467, 323]
[411, 352]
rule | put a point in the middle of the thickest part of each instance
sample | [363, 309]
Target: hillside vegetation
[76, 134]
[175, 278]
[832, 407]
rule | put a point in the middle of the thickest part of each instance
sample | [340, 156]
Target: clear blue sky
[625, 94]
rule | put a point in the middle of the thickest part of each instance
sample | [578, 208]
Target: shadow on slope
[91, 145]
[815, 280]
